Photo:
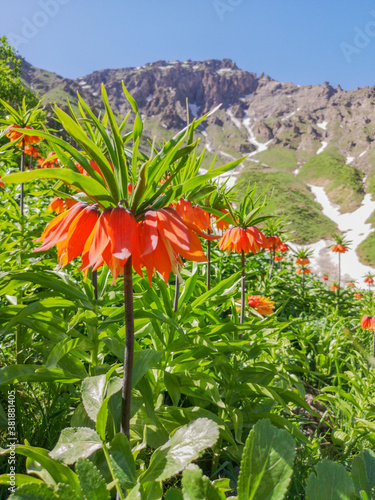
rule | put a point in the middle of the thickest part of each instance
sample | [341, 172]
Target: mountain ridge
[281, 126]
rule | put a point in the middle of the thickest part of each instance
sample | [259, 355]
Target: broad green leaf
[122, 461]
[174, 494]
[92, 482]
[196, 486]
[44, 492]
[93, 392]
[363, 472]
[184, 447]
[267, 463]
[75, 443]
[331, 481]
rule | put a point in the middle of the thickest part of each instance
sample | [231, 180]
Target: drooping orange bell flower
[325, 277]
[31, 151]
[164, 237]
[79, 231]
[239, 239]
[221, 224]
[13, 135]
[283, 248]
[301, 270]
[263, 305]
[195, 218]
[57, 230]
[366, 322]
[334, 287]
[272, 242]
[302, 261]
[351, 285]
[358, 296]
[278, 258]
[58, 205]
[339, 248]
[369, 280]
[46, 163]
[114, 238]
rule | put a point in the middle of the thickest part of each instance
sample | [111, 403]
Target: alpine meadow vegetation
[159, 338]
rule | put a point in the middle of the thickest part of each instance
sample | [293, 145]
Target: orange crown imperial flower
[164, 238]
[221, 224]
[369, 280]
[195, 218]
[358, 296]
[240, 239]
[351, 285]
[13, 135]
[46, 163]
[339, 248]
[59, 205]
[272, 242]
[283, 248]
[304, 271]
[325, 277]
[263, 305]
[334, 287]
[302, 261]
[278, 258]
[366, 322]
[31, 151]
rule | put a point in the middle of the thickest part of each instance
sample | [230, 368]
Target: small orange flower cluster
[13, 135]
[333, 287]
[59, 205]
[46, 163]
[358, 296]
[369, 280]
[351, 285]
[305, 270]
[263, 305]
[325, 277]
[339, 248]
[240, 239]
[368, 322]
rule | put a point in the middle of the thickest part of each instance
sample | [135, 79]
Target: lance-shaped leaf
[89, 186]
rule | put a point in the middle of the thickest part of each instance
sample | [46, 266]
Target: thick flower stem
[129, 348]
[242, 318]
[94, 280]
[373, 345]
[22, 191]
[208, 263]
[273, 253]
[176, 294]
[338, 291]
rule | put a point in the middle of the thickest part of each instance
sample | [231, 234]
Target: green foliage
[12, 89]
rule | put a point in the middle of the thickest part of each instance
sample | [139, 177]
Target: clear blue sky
[290, 40]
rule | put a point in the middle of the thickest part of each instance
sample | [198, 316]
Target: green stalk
[176, 294]
[242, 318]
[22, 190]
[119, 494]
[94, 328]
[273, 253]
[129, 348]
[209, 263]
